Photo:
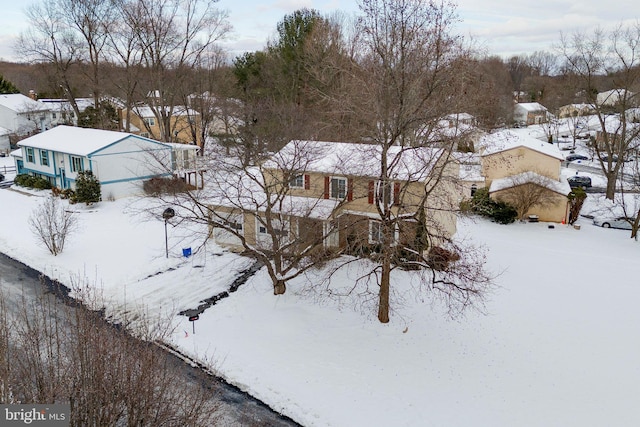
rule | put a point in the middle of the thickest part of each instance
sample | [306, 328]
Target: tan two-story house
[181, 125]
[329, 192]
[513, 159]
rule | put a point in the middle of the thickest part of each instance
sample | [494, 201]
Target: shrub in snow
[52, 224]
[500, 212]
[87, 188]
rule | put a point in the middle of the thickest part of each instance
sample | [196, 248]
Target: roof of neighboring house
[20, 103]
[177, 146]
[4, 131]
[145, 111]
[560, 187]
[507, 139]
[132, 127]
[459, 116]
[613, 125]
[613, 95]
[578, 107]
[531, 106]
[63, 104]
[76, 140]
[345, 158]
[470, 167]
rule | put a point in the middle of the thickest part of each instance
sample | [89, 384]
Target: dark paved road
[17, 281]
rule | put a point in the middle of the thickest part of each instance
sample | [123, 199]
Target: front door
[63, 179]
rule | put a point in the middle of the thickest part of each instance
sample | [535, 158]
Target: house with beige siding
[511, 159]
[327, 192]
[179, 124]
[530, 113]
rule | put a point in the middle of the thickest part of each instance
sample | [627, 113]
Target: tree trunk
[279, 287]
[611, 188]
[383, 296]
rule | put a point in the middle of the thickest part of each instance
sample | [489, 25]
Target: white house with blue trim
[120, 161]
[23, 115]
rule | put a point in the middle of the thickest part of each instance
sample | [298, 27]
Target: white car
[621, 222]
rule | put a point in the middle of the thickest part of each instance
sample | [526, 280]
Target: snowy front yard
[558, 345]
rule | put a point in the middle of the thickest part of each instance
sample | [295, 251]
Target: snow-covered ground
[558, 345]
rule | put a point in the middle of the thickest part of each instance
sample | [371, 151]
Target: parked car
[605, 158]
[621, 222]
[572, 157]
[579, 181]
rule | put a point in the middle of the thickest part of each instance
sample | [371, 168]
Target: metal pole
[193, 330]
[166, 240]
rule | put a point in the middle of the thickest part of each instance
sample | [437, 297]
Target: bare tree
[57, 353]
[52, 224]
[93, 20]
[173, 37]
[399, 85]
[528, 190]
[257, 209]
[589, 57]
[49, 40]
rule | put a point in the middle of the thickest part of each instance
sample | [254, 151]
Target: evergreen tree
[7, 87]
[104, 116]
[87, 188]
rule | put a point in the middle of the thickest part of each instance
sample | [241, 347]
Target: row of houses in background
[22, 116]
[121, 161]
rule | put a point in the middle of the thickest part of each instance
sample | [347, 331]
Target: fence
[7, 169]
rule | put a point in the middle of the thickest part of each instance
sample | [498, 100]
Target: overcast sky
[502, 27]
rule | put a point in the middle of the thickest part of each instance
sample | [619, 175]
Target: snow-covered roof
[561, 187]
[459, 116]
[175, 146]
[470, 167]
[63, 104]
[132, 127]
[145, 111]
[613, 96]
[75, 140]
[20, 103]
[531, 106]
[248, 194]
[410, 163]
[4, 131]
[507, 139]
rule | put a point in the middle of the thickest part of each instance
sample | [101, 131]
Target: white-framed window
[297, 181]
[150, 121]
[234, 223]
[76, 164]
[30, 155]
[375, 231]
[338, 188]
[474, 188]
[279, 228]
[145, 134]
[44, 157]
[54, 116]
[384, 192]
